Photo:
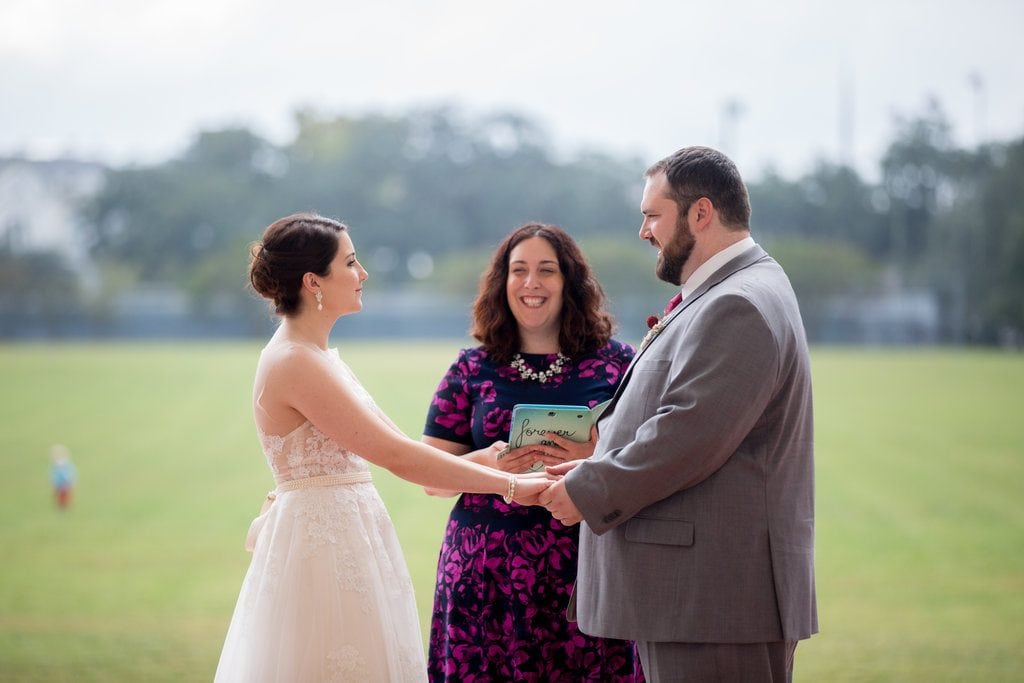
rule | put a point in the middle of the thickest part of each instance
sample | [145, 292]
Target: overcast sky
[133, 80]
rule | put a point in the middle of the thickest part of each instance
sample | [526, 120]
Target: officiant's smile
[534, 290]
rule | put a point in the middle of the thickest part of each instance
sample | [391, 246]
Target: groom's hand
[529, 487]
[556, 499]
[560, 470]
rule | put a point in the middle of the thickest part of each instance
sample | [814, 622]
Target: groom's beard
[676, 253]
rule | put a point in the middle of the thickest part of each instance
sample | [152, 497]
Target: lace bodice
[308, 452]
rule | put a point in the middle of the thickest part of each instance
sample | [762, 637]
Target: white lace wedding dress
[327, 596]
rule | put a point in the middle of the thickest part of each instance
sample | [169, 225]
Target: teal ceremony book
[531, 422]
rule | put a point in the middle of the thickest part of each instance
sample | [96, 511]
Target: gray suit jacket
[699, 498]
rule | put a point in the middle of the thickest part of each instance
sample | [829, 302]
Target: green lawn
[920, 458]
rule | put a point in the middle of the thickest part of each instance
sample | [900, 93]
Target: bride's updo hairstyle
[291, 247]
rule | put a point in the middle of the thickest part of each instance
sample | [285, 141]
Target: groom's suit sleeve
[693, 397]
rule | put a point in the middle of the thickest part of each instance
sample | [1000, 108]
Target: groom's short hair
[694, 172]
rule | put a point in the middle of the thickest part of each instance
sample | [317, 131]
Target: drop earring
[319, 300]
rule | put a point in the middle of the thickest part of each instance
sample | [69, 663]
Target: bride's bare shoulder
[289, 357]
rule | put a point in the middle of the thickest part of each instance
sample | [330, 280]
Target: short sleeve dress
[506, 571]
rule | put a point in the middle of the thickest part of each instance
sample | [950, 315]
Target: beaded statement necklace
[526, 372]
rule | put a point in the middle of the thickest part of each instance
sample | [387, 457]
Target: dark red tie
[673, 302]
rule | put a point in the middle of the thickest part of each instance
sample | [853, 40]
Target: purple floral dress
[505, 572]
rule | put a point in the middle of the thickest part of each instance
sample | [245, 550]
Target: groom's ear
[701, 212]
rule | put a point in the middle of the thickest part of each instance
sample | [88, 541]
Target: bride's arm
[308, 383]
[483, 456]
[387, 420]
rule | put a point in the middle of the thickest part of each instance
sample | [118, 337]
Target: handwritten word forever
[526, 432]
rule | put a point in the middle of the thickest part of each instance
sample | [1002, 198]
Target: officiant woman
[505, 571]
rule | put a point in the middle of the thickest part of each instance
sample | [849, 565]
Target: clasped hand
[516, 460]
[547, 488]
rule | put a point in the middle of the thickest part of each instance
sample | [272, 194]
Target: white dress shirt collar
[699, 276]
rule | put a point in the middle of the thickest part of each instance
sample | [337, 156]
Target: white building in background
[38, 204]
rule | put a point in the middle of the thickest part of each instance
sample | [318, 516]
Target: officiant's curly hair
[585, 324]
[291, 247]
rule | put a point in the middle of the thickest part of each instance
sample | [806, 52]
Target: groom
[699, 498]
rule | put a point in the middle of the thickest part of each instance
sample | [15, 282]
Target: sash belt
[293, 485]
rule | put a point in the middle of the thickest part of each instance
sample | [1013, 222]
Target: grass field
[920, 465]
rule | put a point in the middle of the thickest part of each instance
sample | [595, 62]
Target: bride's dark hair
[291, 247]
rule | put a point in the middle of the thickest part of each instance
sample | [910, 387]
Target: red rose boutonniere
[655, 325]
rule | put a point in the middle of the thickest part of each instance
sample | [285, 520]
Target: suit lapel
[744, 260]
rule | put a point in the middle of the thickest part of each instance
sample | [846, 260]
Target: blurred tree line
[429, 193]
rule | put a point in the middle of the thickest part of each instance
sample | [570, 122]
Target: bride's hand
[529, 487]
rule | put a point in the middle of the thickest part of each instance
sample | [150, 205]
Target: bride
[327, 596]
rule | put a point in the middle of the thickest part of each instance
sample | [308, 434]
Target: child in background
[62, 475]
